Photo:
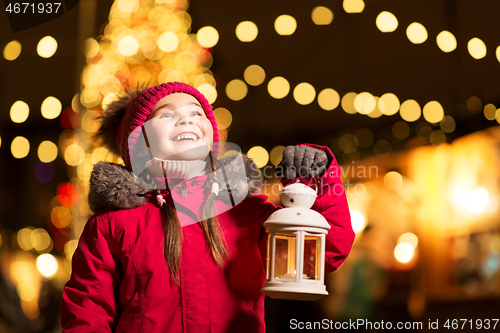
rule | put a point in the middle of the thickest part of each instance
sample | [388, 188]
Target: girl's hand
[302, 161]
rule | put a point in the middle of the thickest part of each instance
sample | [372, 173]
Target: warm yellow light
[46, 47]
[409, 238]
[403, 252]
[322, 15]
[19, 112]
[41, 240]
[365, 103]
[433, 112]
[47, 151]
[393, 180]
[247, 31]
[167, 42]
[437, 137]
[489, 111]
[375, 113]
[236, 90]
[348, 102]
[476, 48]
[278, 87]
[12, 50]
[498, 53]
[497, 116]
[348, 143]
[20, 147]
[47, 264]
[208, 91]
[74, 154]
[223, 118]
[358, 221]
[328, 99]
[446, 41]
[304, 93]
[128, 46]
[89, 122]
[254, 75]
[478, 200]
[24, 238]
[259, 155]
[388, 104]
[276, 154]
[60, 216]
[70, 247]
[447, 125]
[386, 22]
[51, 108]
[416, 33]
[207, 36]
[410, 110]
[400, 130]
[285, 25]
[353, 6]
[91, 48]
[127, 6]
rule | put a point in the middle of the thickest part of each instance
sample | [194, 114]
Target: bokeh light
[409, 238]
[433, 112]
[51, 108]
[328, 99]
[304, 93]
[236, 90]
[353, 6]
[446, 41]
[167, 42]
[386, 22]
[207, 36]
[91, 48]
[403, 252]
[12, 50]
[437, 137]
[489, 111]
[46, 264]
[365, 103]
[474, 104]
[259, 155]
[365, 137]
[74, 154]
[278, 87]
[382, 148]
[47, 151]
[128, 46]
[223, 118]
[358, 221]
[276, 155]
[41, 240]
[478, 200]
[348, 143]
[447, 125]
[285, 25]
[23, 238]
[19, 112]
[393, 180]
[254, 75]
[20, 147]
[410, 110]
[416, 33]
[60, 216]
[44, 172]
[46, 47]
[388, 104]
[348, 102]
[400, 130]
[67, 194]
[498, 53]
[246, 31]
[476, 48]
[322, 15]
[208, 91]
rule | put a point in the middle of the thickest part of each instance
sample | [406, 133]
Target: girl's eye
[167, 115]
[196, 113]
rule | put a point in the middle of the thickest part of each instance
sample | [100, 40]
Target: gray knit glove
[302, 161]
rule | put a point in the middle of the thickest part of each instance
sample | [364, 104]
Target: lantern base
[294, 291]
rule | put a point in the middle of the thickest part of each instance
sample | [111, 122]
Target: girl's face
[178, 129]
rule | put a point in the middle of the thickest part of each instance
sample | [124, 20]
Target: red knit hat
[139, 108]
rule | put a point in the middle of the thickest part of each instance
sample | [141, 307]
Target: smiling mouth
[183, 137]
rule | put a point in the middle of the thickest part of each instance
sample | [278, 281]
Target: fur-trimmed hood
[113, 186]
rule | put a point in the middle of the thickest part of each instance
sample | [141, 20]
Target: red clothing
[121, 283]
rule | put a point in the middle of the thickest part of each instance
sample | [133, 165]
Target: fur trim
[113, 186]
[111, 119]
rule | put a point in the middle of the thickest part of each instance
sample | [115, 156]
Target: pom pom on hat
[123, 116]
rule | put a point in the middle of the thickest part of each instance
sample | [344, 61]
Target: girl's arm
[332, 204]
[89, 300]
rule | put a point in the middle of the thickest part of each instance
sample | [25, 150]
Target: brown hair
[211, 229]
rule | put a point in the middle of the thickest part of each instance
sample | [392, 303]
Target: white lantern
[296, 247]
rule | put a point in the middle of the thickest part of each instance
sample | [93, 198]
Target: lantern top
[297, 195]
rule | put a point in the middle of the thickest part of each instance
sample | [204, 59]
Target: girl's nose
[185, 120]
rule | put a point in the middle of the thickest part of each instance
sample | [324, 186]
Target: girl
[176, 243]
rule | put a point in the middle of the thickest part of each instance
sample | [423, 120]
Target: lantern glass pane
[284, 257]
[312, 251]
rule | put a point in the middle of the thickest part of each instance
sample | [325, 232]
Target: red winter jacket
[120, 281]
